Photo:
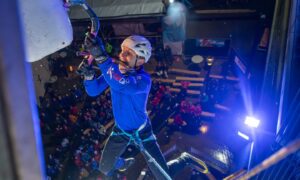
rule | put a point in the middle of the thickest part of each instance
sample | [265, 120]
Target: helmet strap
[136, 59]
[131, 71]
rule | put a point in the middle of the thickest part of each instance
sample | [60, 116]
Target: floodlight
[243, 135]
[252, 121]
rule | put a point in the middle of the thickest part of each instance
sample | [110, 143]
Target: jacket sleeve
[96, 86]
[131, 84]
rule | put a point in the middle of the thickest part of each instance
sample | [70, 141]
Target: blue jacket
[129, 94]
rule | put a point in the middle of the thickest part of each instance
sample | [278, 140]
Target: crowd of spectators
[57, 112]
[174, 110]
[76, 124]
[73, 129]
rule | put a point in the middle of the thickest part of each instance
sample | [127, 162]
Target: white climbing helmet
[140, 45]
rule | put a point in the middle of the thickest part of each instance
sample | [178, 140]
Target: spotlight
[171, 1]
[203, 129]
[210, 60]
[71, 68]
[243, 135]
[143, 173]
[252, 121]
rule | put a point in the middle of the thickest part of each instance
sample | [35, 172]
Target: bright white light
[221, 157]
[171, 1]
[176, 12]
[252, 121]
[243, 135]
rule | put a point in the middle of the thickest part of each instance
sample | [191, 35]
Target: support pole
[21, 153]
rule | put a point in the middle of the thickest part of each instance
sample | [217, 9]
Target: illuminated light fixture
[203, 129]
[71, 68]
[210, 60]
[171, 1]
[252, 121]
[243, 135]
[197, 59]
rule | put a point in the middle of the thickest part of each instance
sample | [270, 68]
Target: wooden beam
[208, 114]
[174, 89]
[232, 78]
[182, 78]
[185, 71]
[190, 85]
[222, 107]
[215, 76]
[192, 92]
[166, 80]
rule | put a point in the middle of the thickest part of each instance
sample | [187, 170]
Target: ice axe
[94, 19]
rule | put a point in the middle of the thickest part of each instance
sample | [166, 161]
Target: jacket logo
[109, 71]
[113, 74]
[122, 81]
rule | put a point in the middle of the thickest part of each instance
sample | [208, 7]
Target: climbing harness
[134, 138]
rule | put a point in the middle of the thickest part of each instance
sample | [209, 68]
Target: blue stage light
[243, 135]
[252, 122]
